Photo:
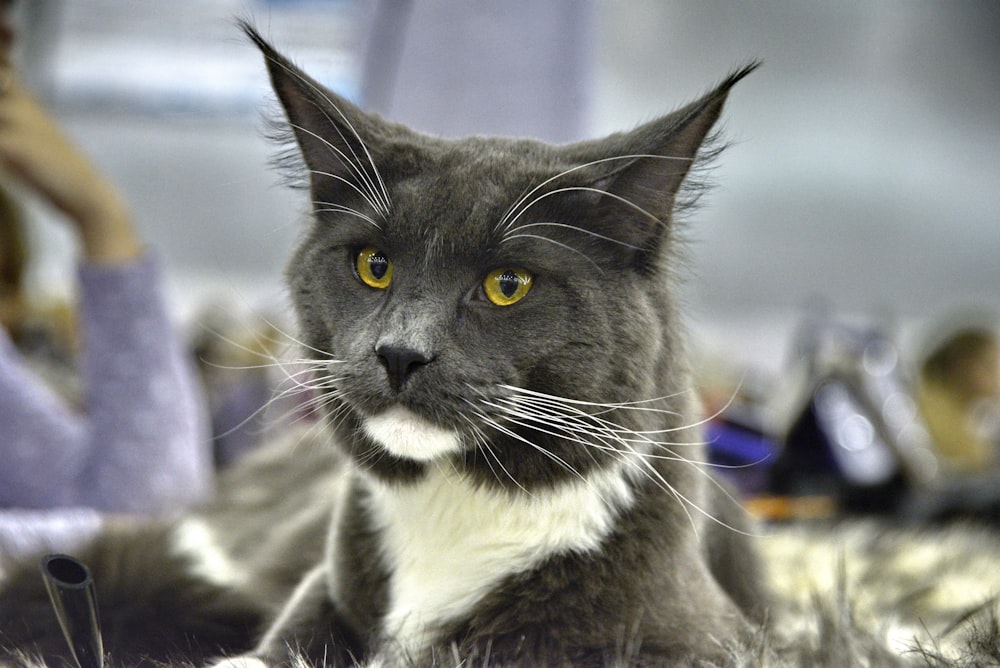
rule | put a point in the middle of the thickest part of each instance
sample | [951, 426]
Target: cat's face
[489, 303]
[435, 308]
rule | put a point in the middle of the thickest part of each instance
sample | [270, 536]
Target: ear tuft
[646, 172]
[337, 140]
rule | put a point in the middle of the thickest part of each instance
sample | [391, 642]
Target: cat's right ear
[339, 142]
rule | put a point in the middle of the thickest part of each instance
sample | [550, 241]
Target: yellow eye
[504, 287]
[374, 268]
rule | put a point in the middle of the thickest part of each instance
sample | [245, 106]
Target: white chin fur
[240, 662]
[409, 436]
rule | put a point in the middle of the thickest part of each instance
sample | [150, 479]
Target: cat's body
[496, 344]
[439, 567]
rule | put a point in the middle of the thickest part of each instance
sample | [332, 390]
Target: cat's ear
[643, 171]
[339, 143]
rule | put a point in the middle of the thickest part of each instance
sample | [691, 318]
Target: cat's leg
[731, 555]
[299, 615]
[308, 626]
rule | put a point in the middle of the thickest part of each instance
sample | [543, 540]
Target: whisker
[600, 191]
[550, 412]
[367, 192]
[580, 402]
[579, 229]
[656, 477]
[483, 445]
[347, 182]
[585, 423]
[505, 222]
[579, 431]
[508, 432]
[380, 193]
[557, 243]
[276, 398]
[634, 405]
[330, 207]
[288, 340]
[359, 173]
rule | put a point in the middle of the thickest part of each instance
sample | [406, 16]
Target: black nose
[399, 362]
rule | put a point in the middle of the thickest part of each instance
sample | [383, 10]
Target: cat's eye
[374, 268]
[504, 287]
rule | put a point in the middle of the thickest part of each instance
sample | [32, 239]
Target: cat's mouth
[406, 435]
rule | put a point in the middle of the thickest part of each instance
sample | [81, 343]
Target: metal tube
[71, 590]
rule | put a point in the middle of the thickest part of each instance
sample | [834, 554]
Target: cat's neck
[448, 541]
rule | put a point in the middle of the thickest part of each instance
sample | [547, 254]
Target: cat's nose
[399, 362]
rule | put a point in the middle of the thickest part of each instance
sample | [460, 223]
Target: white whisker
[330, 207]
[506, 222]
[380, 193]
[557, 243]
[511, 224]
[347, 182]
[364, 188]
[588, 424]
[578, 229]
[483, 446]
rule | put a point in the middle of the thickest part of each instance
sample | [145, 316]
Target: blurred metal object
[74, 599]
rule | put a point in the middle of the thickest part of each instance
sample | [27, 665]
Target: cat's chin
[406, 435]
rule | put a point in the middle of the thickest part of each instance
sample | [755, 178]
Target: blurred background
[863, 173]
[856, 214]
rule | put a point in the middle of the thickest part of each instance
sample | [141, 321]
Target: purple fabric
[141, 443]
[519, 68]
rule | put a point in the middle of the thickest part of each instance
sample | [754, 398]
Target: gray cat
[500, 353]
[513, 466]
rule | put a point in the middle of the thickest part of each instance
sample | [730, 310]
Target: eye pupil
[508, 282]
[378, 265]
[373, 268]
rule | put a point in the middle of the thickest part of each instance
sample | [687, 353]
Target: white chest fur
[447, 542]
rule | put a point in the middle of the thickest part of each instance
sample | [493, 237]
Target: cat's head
[504, 306]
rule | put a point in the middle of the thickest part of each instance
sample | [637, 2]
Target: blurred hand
[34, 150]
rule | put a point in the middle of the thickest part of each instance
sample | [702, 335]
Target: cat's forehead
[471, 183]
[498, 164]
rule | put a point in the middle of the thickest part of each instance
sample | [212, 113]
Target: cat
[496, 343]
[502, 362]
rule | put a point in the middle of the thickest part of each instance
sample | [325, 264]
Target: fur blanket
[868, 594]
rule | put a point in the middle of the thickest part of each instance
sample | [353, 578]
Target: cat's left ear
[642, 171]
